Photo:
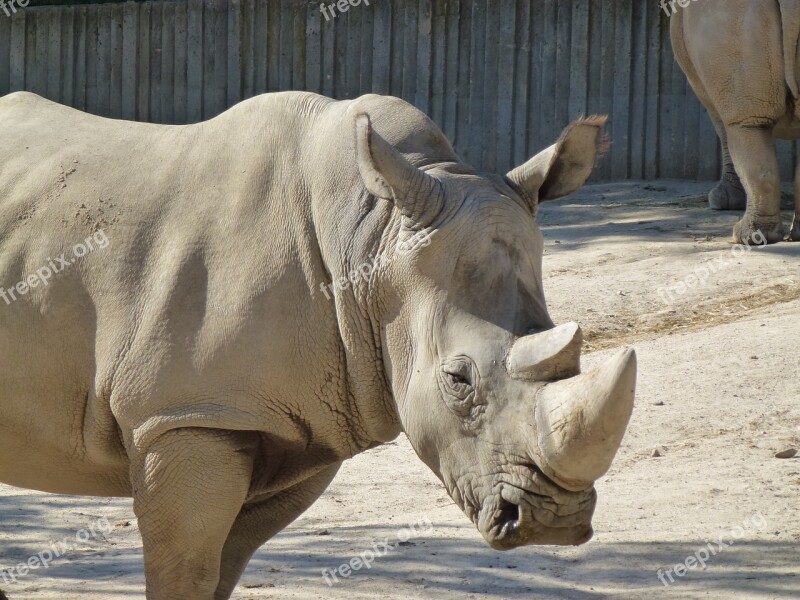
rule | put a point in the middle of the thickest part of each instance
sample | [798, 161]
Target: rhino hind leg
[189, 487]
[729, 194]
[756, 159]
[258, 523]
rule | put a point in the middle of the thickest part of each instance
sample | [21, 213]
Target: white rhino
[202, 362]
[740, 57]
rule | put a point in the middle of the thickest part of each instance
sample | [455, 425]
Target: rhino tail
[790, 18]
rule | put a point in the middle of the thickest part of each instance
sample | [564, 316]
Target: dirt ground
[718, 397]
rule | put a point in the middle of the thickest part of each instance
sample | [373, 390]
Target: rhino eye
[457, 377]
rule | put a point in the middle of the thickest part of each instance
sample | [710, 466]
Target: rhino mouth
[537, 512]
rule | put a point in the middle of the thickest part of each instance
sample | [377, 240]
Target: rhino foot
[753, 232]
[728, 195]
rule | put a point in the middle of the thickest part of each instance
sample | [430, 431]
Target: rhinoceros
[188, 346]
[740, 57]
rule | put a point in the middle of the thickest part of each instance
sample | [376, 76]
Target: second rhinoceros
[220, 349]
[741, 58]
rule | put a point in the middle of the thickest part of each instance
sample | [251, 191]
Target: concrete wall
[502, 77]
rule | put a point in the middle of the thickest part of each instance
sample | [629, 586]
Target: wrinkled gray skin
[741, 59]
[196, 364]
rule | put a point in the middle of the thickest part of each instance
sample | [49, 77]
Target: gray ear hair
[564, 167]
[387, 174]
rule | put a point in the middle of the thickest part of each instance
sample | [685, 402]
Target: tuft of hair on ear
[603, 139]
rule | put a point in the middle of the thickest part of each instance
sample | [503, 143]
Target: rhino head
[488, 390]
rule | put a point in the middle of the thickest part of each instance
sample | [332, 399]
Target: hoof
[728, 196]
[752, 233]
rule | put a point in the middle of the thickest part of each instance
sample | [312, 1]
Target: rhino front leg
[189, 487]
[257, 523]
[756, 159]
[729, 193]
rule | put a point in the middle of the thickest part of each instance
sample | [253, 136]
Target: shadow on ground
[640, 211]
[432, 565]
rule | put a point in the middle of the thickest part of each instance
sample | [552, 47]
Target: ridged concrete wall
[502, 77]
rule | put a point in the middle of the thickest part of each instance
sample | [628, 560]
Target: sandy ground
[718, 396]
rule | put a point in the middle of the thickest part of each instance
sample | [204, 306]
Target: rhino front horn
[580, 421]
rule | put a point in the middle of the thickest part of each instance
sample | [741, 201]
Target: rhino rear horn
[387, 174]
[565, 166]
[549, 355]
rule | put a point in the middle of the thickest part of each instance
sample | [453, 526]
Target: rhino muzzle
[540, 512]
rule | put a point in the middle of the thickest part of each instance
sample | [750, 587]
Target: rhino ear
[566, 165]
[387, 174]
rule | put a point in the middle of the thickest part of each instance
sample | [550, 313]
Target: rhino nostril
[509, 517]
